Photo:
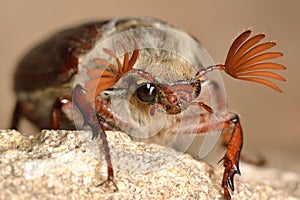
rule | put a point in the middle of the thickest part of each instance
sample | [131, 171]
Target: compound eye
[146, 92]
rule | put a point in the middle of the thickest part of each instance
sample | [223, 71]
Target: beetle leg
[91, 119]
[232, 156]
[260, 160]
[203, 105]
[105, 114]
[210, 122]
[16, 116]
[57, 110]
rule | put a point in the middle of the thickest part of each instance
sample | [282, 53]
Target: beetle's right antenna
[244, 58]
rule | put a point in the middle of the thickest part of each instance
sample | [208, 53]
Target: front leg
[91, 119]
[57, 111]
[210, 122]
[232, 156]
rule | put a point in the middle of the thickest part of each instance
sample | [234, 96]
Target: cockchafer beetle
[162, 72]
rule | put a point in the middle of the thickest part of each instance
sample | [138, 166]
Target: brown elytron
[244, 61]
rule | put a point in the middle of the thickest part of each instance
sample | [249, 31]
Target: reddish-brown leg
[258, 161]
[91, 119]
[16, 117]
[211, 121]
[56, 112]
[232, 156]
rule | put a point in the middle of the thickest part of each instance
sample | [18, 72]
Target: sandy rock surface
[69, 165]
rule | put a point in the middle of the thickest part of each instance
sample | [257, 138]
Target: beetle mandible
[152, 79]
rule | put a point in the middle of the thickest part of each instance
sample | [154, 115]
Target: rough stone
[69, 165]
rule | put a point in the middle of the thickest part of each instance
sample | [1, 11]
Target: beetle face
[173, 98]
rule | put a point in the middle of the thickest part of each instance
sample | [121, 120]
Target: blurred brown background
[271, 120]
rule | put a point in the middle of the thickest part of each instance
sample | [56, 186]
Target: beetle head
[173, 98]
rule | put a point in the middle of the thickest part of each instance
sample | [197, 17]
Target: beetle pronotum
[152, 80]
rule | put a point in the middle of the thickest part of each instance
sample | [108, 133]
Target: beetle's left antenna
[102, 79]
[244, 61]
